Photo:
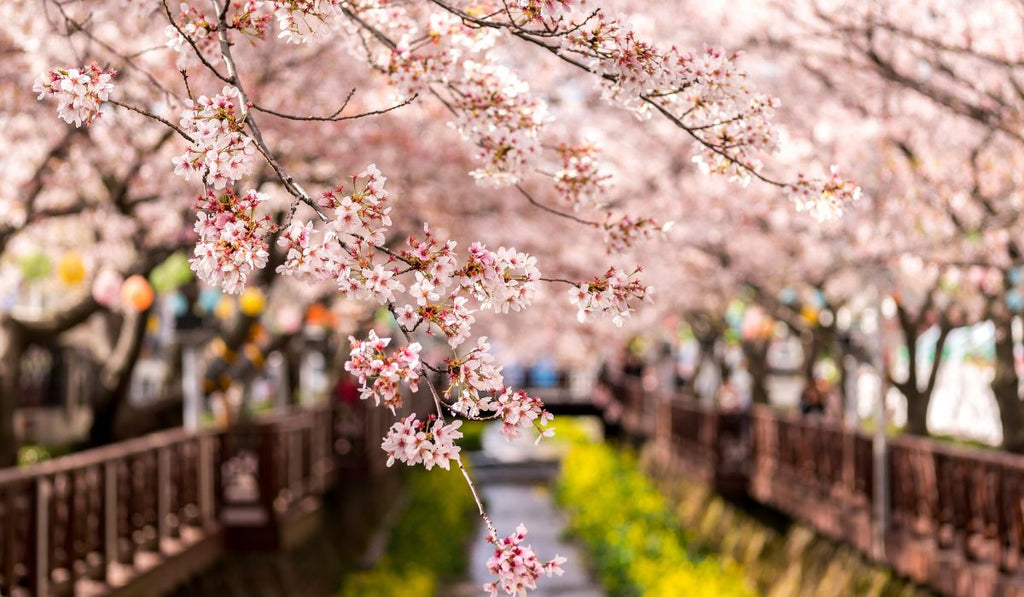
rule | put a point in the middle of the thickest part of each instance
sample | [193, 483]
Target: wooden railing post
[163, 497]
[110, 514]
[205, 482]
[39, 545]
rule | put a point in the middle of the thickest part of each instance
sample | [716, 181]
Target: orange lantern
[136, 293]
[319, 315]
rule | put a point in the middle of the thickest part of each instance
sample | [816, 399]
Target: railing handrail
[293, 417]
[937, 446]
[101, 455]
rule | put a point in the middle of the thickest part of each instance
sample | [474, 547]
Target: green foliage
[30, 454]
[428, 543]
[631, 532]
[472, 435]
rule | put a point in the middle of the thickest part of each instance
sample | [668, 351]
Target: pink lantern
[106, 288]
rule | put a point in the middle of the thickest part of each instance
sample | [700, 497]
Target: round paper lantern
[173, 273]
[35, 265]
[209, 298]
[70, 269]
[252, 302]
[318, 315]
[179, 304]
[289, 319]
[225, 308]
[106, 288]
[136, 293]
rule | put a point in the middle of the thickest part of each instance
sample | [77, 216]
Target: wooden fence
[954, 516]
[140, 516]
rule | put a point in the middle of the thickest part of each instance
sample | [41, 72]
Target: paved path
[532, 505]
[513, 497]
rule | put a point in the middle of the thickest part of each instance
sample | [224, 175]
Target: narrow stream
[514, 480]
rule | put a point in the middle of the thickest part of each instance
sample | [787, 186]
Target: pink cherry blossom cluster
[221, 152]
[580, 181]
[345, 253]
[614, 293]
[825, 199]
[311, 255]
[232, 238]
[196, 27]
[497, 112]
[501, 280]
[302, 21]
[517, 565]
[249, 18]
[452, 317]
[494, 108]
[704, 91]
[379, 373]
[469, 376]
[517, 409]
[623, 231]
[434, 264]
[735, 143]
[79, 91]
[538, 10]
[363, 213]
[414, 442]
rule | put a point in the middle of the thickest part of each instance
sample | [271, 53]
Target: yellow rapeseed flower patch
[633, 538]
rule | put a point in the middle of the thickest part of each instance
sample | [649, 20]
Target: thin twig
[334, 117]
[159, 119]
[550, 210]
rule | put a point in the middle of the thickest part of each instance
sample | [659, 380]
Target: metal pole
[191, 382]
[880, 448]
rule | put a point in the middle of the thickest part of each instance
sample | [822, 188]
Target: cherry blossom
[824, 199]
[517, 565]
[79, 92]
[501, 280]
[379, 373]
[544, 9]
[428, 443]
[221, 152]
[516, 409]
[301, 21]
[232, 238]
[458, 63]
[614, 292]
[624, 231]
[580, 181]
[469, 376]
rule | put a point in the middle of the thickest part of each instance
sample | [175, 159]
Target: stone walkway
[513, 497]
[532, 505]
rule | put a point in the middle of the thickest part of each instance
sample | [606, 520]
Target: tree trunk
[1005, 387]
[11, 348]
[756, 352]
[115, 378]
[917, 402]
[917, 409]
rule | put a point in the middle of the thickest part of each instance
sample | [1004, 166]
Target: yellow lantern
[71, 270]
[225, 308]
[136, 293]
[252, 302]
[809, 314]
